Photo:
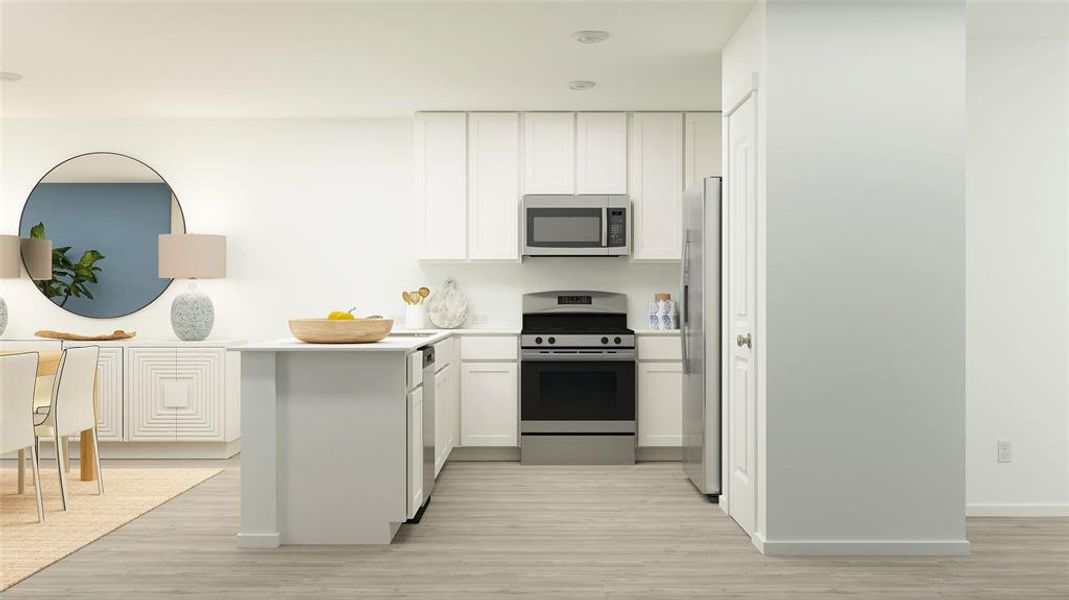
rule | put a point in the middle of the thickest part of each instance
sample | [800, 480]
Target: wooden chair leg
[36, 465]
[96, 460]
[22, 471]
[60, 459]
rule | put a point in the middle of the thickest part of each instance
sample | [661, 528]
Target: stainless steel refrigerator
[700, 333]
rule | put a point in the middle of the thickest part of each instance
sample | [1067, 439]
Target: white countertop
[397, 341]
[392, 343]
[470, 331]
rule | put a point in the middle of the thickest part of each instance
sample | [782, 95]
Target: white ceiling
[351, 59]
[1018, 18]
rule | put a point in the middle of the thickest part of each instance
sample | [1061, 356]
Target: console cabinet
[167, 392]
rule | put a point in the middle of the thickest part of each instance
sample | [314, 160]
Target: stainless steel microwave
[583, 225]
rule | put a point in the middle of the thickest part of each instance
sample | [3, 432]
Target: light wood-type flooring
[502, 530]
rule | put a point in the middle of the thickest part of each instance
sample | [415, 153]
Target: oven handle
[617, 356]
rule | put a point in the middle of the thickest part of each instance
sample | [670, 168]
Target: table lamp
[192, 256]
[14, 251]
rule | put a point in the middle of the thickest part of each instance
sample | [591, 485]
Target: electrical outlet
[479, 319]
[1005, 451]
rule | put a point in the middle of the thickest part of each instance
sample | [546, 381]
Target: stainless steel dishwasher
[428, 429]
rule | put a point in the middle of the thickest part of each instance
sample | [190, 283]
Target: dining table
[48, 365]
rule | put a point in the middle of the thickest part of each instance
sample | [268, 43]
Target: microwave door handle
[604, 228]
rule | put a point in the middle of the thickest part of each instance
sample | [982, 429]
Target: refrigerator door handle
[684, 309]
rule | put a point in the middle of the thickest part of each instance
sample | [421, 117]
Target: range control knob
[552, 340]
[538, 340]
[616, 340]
[604, 340]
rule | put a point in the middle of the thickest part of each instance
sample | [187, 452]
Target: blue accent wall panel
[122, 221]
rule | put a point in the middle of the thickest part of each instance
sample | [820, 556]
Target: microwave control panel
[617, 228]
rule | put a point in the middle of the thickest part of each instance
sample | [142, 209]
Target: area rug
[27, 546]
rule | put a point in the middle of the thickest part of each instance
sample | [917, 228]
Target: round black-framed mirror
[104, 212]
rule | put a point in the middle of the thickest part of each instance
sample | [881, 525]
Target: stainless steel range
[577, 379]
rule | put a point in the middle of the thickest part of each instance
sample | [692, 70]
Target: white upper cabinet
[494, 186]
[601, 153]
[549, 153]
[441, 185]
[702, 147]
[656, 185]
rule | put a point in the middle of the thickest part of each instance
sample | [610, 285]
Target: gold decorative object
[118, 334]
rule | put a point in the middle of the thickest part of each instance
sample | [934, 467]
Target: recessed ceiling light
[9, 76]
[581, 84]
[590, 37]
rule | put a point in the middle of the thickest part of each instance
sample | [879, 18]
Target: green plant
[68, 278]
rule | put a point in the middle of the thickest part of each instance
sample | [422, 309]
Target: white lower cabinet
[415, 451]
[175, 394]
[444, 415]
[660, 404]
[490, 405]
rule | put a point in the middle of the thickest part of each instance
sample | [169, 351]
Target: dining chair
[71, 409]
[18, 377]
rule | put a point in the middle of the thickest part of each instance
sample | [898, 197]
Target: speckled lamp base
[192, 315]
[3, 316]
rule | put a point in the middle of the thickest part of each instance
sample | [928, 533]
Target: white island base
[324, 437]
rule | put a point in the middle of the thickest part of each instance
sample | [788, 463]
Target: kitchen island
[326, 440]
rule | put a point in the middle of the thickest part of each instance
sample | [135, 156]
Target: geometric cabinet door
[109, 380]
[109, 407]
[175, 394]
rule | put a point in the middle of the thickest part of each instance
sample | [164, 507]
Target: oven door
[577, 395]
[564, 230]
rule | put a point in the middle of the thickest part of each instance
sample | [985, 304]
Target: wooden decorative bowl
[348, 331]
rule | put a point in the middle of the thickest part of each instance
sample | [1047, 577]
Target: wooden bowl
[348, 331]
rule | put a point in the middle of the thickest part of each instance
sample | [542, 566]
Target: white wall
[1017, 274]
[317, 214]
[865, 368]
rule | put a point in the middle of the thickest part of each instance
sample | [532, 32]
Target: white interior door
[742, 304]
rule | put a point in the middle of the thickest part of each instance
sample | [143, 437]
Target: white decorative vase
[192, 315]
[447, 308]
[664, 313]
[415, 316]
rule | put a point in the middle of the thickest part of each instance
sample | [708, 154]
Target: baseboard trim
[258, 540]
[1017, 510]
[512, 454]
[658, 454]
[151, 450]
[485, 454]
[860, 547]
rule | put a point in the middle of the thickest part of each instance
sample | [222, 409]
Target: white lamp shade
[10, 256]
[37, 253]
[192, 256]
